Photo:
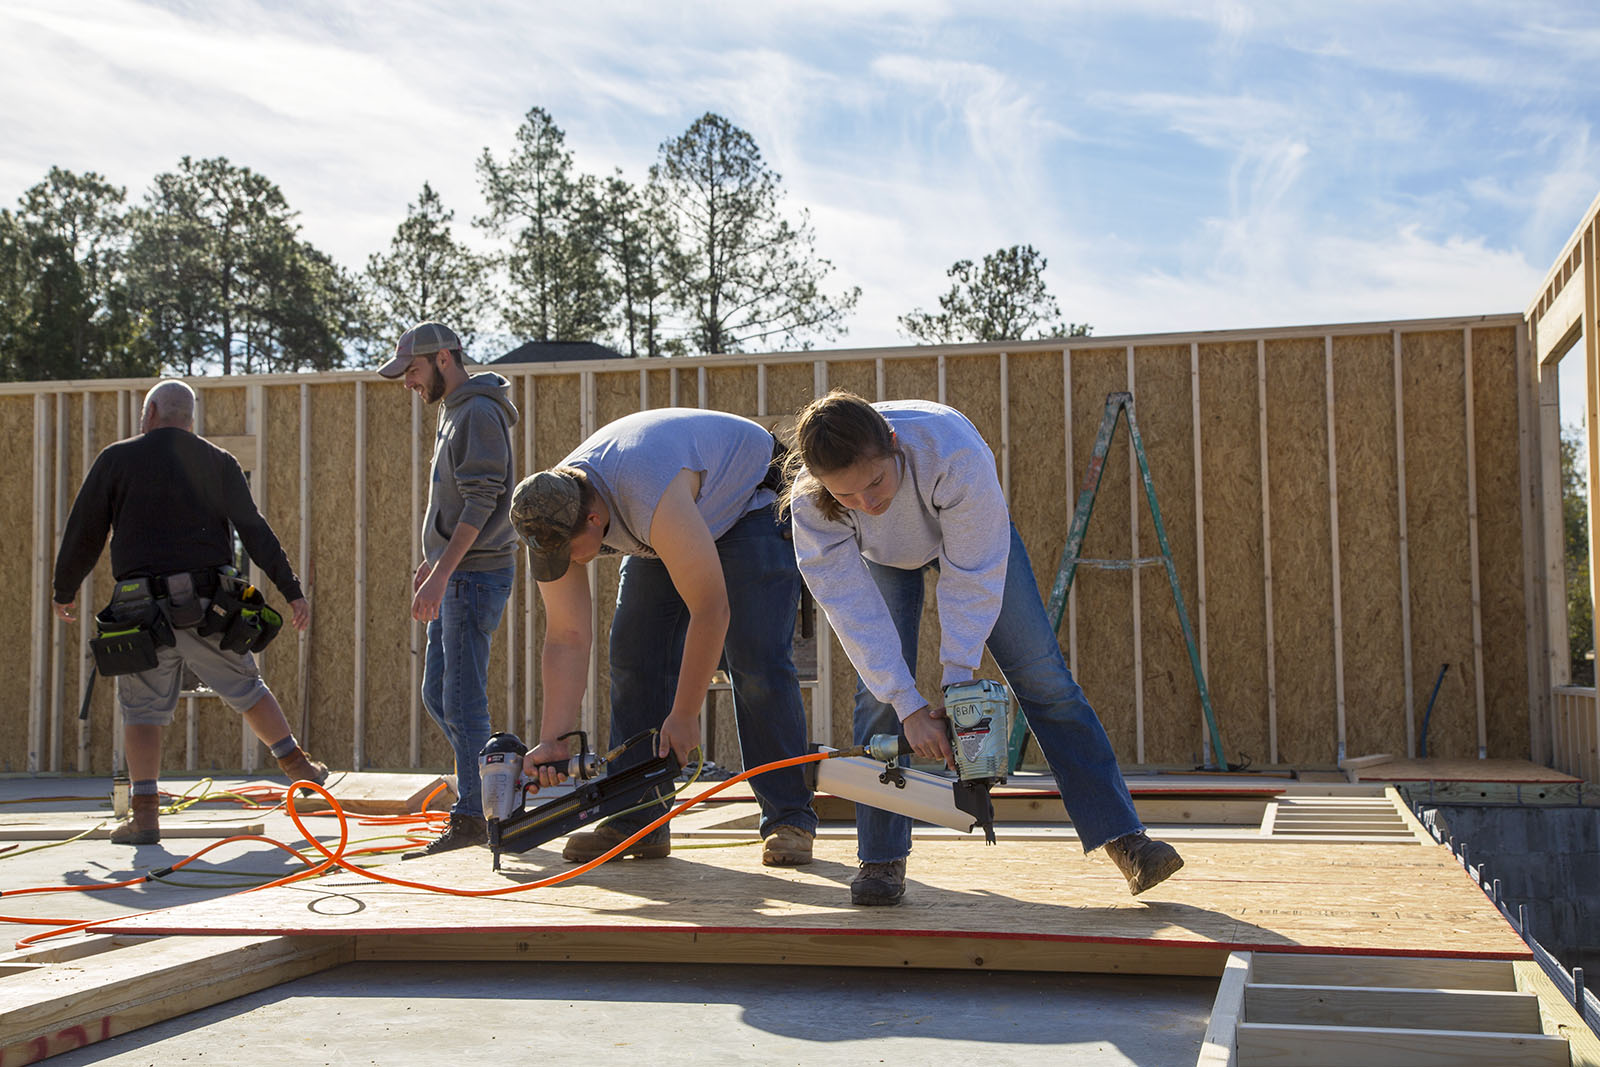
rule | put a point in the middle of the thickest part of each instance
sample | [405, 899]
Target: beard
[434, 388]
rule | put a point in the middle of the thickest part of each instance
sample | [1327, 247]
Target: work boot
[787, 846]
[300, 767]
[1143, 862]
[879, 884]
[591, 844]
[141, 826]
[462, 831]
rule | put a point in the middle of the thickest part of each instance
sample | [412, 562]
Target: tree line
[209, 273]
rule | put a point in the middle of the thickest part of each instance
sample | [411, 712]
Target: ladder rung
[1118, 564]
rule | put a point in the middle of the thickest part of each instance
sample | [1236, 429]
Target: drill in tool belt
[595, 795]
[978, 718]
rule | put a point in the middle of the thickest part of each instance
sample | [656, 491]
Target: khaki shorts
[150, 697]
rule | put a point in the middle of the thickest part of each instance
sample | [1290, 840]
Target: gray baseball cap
[423, 339]
[544, 509]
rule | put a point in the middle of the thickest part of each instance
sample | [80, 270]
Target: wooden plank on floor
[64, 1006]
[801, 948]
[1463, 770]
[1407, 972]
[64, 825]
[1280, 896]
[379, 793]
[1433, 1009]
[1220, 1047]
[1272, 1045]
[1557, 1014]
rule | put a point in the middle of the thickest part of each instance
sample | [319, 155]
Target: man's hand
[925, 731]
[423, 570]
[429, 595]
[302, 613]
[67, 612]
[680, 735]
[545, 752]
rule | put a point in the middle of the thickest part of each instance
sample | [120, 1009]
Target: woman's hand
[925, 731]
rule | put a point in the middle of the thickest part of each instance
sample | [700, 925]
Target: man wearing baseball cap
[469, 552]
[708, 573]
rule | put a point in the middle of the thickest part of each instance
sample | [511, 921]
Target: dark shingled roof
[558, 351]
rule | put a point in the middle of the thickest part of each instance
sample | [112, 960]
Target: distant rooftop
[558, 352]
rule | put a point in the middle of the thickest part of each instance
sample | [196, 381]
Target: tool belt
[240, 614]
[130, 629]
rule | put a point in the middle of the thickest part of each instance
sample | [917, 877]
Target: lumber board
[65, 1006]
[1388, 1006]
[377, 793]
[1275, 1045]
[1220, 1046]
[1284, 897]
[60, 826]
[1418, 972]
[1461, 770]
[1557, 1015]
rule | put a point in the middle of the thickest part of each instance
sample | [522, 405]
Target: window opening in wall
[1572, 391]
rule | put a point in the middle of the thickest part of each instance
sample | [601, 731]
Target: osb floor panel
[1460, 770]
[1025, 904]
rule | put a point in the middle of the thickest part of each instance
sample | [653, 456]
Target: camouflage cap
[423, 339]
[544, 509]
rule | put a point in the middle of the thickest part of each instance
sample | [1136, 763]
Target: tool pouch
[129, 630]
[242, 617]
[184, 608]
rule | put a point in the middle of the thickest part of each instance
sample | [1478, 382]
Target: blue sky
[1183, 166]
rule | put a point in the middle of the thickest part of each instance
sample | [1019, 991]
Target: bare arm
[564, 665]
[681, 538]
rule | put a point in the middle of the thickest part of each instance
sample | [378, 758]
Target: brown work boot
[299, 767]
[591, 844]
[1143, 862]
[141, 826]
[879, 884]
[787, 846]
[463, 831]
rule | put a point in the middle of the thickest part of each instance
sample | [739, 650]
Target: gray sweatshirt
[474, 470]
[949, 508]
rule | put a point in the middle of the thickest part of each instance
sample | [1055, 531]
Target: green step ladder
[1116, 405]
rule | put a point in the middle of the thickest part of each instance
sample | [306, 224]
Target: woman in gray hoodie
[880, 493]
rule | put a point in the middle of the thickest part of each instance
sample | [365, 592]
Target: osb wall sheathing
[1436, 510]
[1104, 597]
[216, 726]
[390, 519]
[1369, 531]
[1494, 383]
[1172, 713]
[1043, 492]
[333, 480]
[1302, 583]
[1235, 609]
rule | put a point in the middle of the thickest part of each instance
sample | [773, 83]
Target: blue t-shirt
[630, 463]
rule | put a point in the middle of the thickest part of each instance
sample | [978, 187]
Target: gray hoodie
[474, 471]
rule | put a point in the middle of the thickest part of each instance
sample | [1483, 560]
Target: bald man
[171, 502]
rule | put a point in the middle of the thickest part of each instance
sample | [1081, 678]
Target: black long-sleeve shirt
[167, 497]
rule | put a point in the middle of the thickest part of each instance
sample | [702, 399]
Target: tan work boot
[1143, 861]
[787, 846]
[879, 884]
[591, 844]
[463, 831]
[141, 826]
[299, 767]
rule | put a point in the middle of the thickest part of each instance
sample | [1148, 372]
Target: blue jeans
[1066, 728]
[647, 635]
[455, 675]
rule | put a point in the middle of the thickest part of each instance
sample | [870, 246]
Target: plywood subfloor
[1461, 770]
[1022, 904]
